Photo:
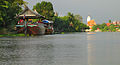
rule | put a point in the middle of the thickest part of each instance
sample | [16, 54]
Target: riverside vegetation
[9, 9]
[104, 28]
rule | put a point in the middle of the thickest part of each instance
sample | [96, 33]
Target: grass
[11, 35]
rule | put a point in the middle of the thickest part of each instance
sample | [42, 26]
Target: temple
[90, 22]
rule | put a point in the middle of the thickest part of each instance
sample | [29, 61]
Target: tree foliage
[104, 28]
[45, 9]
[63, 24]
[110, 21]
[78, 17]
[8, 10]
[68, 23]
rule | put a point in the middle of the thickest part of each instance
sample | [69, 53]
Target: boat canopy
[47, 21]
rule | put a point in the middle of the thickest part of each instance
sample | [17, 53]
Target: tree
[94, 27]
[112, 28]
[110, 21]
[78, 17]
[45, 9]
[106, 28]
[102, 26]
[63, 24]
[71, 16]
[8, 10]
[3, 5]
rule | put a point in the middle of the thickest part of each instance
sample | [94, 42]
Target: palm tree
[71, 17]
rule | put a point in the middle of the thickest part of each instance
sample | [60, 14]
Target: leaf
[4, 6]
[6, 2]
[1, 18]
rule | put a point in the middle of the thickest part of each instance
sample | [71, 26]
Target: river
[102, 48]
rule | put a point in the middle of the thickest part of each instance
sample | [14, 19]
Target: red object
[108, 24]
[71, 25]
[40, 22]
[21, 21]
[116, 26]
[97, 28]
[34, 30]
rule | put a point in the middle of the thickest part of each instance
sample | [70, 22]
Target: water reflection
[29, 51]
[7, 49]
[103, 49]
[66, 49]
[70, 49]
[90, 36]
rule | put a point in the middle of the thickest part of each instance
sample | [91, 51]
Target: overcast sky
[100, 10]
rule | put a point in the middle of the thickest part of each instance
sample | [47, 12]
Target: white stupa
[88, 18]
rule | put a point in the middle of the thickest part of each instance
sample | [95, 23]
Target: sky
[99, 10]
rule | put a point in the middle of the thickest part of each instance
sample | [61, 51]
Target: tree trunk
[4, 24]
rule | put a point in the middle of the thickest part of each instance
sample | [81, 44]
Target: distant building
[88, 18]
[108, 24]
[116, 22]
[98, 30]
[56, 14]
[90, 22]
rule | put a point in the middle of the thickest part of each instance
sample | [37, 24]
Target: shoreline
[23, 35]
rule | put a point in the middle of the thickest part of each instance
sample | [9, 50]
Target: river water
[62, 49]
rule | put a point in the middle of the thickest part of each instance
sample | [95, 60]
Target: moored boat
[35, 28]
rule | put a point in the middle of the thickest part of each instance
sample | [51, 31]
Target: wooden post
[25, 24]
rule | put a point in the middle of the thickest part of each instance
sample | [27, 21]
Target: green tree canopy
[110, 21]
[45, 9]
[104, 28]
[8, 10]
[78, 17]
[63, 24]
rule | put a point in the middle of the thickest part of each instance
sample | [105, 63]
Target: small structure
[98, 30]
[26, 26]
[108, 24]
[48, 26]
[29, 14]
[90, 22]
[56, 14]
[88, 18]
[116, 22]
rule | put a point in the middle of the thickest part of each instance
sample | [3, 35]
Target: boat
[36, 28]
[48, 26]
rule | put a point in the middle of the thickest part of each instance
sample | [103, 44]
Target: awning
[46, 21]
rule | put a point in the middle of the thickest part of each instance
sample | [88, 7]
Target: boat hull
[35, 30]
